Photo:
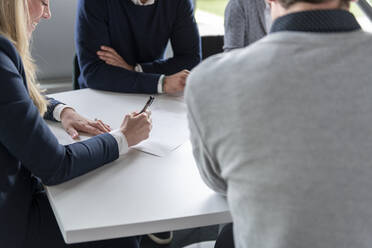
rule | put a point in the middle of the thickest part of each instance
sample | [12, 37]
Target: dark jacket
[29, 152]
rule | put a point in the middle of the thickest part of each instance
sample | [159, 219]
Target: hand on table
[175, 83]
[136, 127]
[74, 123]
[111, 57]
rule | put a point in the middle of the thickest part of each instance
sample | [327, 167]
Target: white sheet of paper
[169, 132]
[169, 121]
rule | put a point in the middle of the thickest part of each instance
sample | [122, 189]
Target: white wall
[53, 41]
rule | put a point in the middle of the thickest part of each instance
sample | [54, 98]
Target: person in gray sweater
[287, 137]
[246, 21]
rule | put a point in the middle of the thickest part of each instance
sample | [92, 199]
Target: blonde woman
[29, 153]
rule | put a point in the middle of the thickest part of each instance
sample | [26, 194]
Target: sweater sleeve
[185, 42]
[91, 32]
[27, 137]
[207, 163]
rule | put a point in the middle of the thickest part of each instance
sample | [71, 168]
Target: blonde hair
[14, 19]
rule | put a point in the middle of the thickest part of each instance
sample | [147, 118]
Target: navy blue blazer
[140, 35]
[29, 152]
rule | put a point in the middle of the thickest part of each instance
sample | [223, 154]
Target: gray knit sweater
[288, 137]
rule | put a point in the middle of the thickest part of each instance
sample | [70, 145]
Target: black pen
[148, 103]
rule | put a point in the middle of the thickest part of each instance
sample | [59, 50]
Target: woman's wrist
[66, 112]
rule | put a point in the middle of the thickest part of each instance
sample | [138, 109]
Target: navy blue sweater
[140, 35]
[30, 152]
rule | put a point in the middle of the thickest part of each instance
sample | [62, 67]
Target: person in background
[121, 44]
[287, 137]
[30, 154]
[246, 21]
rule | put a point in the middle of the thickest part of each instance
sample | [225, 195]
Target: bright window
[363, 20]
[216, 7]
[210, 16]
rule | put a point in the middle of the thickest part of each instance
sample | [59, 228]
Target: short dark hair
[288, 3]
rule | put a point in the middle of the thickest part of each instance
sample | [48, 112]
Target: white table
[137, 194]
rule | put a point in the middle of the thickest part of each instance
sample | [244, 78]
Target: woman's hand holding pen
[136, 127]
[74, 123]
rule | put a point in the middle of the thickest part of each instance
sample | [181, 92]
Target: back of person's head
[288, 3]
[14, 18]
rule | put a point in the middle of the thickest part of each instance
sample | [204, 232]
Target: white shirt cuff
[121, 140]
[160, 84]
[58, 111]
[138, 68]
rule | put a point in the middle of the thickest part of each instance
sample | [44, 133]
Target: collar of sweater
[323, 21]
